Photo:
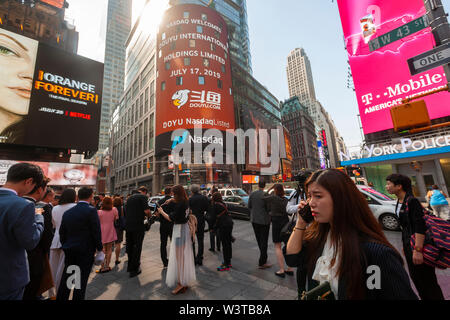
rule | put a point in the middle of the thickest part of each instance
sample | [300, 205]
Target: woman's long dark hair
[179, 194]
[353, 223]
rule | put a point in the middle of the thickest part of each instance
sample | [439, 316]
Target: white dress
[181, 268]
[324, 272]
[56, 253]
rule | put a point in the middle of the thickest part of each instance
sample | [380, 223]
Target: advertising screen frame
[194, 86]
[51, 97]
[382, 78]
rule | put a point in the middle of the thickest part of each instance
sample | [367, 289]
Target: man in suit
[260, 219]
[136, 209]
[165, 226]
[81, 237]
[199, 205]
[38, 256]
[21, 228]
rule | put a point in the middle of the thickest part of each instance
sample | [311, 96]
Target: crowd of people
[45, 239]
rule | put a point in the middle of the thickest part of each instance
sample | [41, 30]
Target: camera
[306, 214]
[154, 206]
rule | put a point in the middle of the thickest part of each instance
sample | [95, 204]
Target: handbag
[287, 229]
[321, 292]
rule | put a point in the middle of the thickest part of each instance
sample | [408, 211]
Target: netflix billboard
[48, 97]
[194, 74]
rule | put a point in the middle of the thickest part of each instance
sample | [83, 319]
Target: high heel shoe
[179, 290]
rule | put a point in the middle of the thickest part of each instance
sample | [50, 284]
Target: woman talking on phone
[344, 248]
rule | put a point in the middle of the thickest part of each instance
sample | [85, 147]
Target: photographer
[299, 194]
[344, 231]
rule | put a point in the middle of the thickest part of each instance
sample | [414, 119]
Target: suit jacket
[80, 230]
[20, 230]
[36, 256]
[257, 206]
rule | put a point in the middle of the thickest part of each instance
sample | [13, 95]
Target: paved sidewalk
[243, 282]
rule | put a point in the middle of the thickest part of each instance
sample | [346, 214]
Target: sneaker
[223, 268]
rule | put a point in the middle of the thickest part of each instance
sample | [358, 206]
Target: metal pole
[437, 19]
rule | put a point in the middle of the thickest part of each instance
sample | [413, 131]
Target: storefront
[426, 161]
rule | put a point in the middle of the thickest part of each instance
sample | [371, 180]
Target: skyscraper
[300, 79]
[118, 28]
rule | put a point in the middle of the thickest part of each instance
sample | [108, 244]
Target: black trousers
[200, 239]
[36, 260]
[85, 261]
[134, 249]
[214, 238]
[165, 232]
[423, 277]
[225, 237]
[262, 237]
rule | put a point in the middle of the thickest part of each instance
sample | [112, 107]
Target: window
[160, 54]
[205, 62]
[173, 46]
[204, 17]
[191, 44]
[213, 47]
[163, 36]
[179, 29]
[223, 68]
[201, 80]
[167, 65]
[219, 84]
[199, 29]
[179, 81]
[217, 34]
[226, 55]
[186, 15]
[187, 61]
[163, 86]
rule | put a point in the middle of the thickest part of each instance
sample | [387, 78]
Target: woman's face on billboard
[17, 62]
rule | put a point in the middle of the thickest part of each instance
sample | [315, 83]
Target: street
[244, 282]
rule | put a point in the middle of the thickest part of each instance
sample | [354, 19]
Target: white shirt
[323, 272]
[57, 215]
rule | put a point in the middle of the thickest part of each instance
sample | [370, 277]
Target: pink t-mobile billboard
[382, 77]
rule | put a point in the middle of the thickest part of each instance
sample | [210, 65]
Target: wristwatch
[418, 249]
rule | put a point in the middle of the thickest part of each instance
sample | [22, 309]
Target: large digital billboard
[382, 77]
[194, 74]
[61, 174]
[48, 97]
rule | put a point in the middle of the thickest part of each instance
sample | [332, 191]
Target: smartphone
[306, 214]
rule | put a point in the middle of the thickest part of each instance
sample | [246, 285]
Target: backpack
[436, 247]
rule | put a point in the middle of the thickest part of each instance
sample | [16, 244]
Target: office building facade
[302, 135]
[134, 160]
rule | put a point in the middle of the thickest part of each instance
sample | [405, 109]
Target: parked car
[237, 207]
[382, 206]
[154, 199]
[235, 192]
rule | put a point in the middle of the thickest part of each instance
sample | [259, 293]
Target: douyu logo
[180, 98]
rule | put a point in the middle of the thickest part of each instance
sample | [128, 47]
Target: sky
[276, 27]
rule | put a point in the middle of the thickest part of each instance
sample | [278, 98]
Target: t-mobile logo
[367, 99]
